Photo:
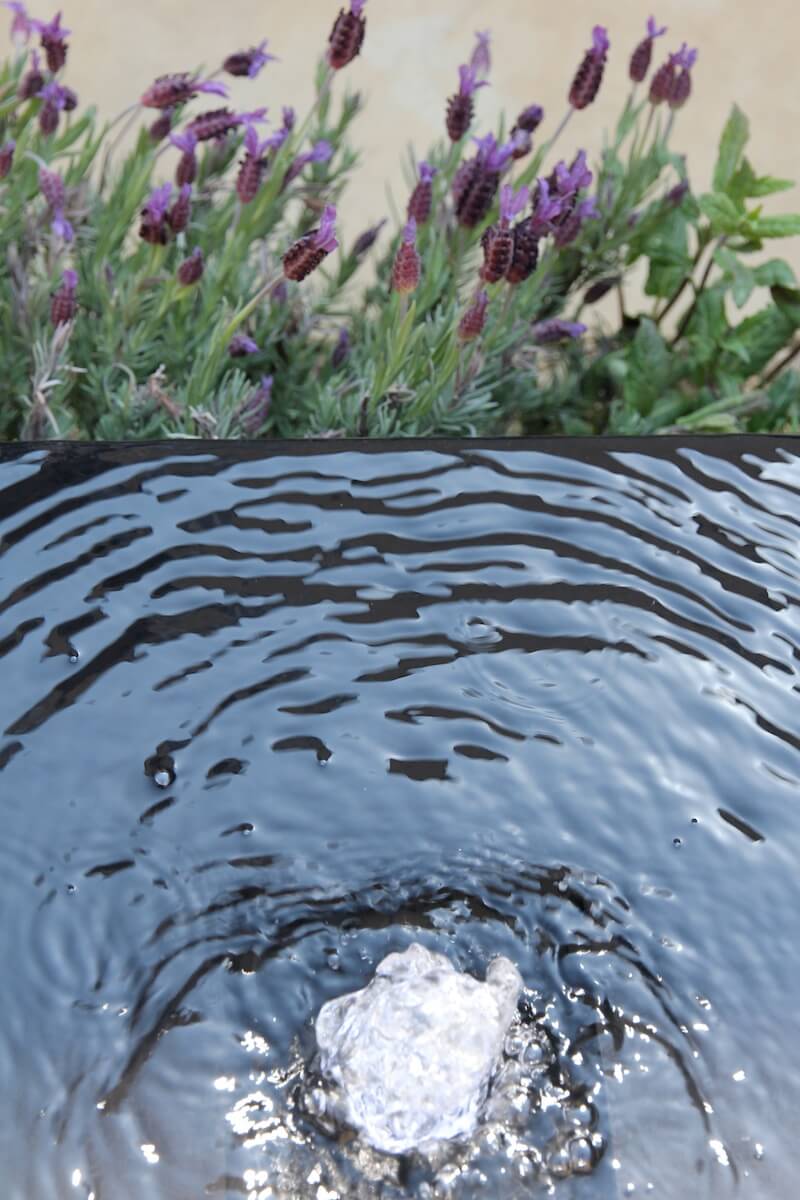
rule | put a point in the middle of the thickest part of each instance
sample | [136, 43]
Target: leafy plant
[219, 304]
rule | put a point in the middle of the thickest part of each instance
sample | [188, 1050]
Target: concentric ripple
[272, 713]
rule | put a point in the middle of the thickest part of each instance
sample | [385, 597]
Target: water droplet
[758, 1152]
[71, 889]
[695, 821]
[676, 842]
[73, 658]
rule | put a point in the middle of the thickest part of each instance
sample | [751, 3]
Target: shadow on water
[271, 713]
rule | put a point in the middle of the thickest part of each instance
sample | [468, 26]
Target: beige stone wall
[409, 65]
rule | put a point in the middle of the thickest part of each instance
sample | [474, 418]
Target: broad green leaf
[788, 301]
[742, 278]
[763, 335]
[721, 211]
[774, 227]
[775, 272]
[747, 185]
[731, 147]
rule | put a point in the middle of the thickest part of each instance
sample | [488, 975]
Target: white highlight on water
[412, 1054]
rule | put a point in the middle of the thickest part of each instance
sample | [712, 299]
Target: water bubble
[162, 778]
[580, 1156]
[676, 842]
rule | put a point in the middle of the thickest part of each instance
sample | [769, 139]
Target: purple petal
[22, 26]
[326, 237]
[427, 172]
[556, 330]
[320, 152]
[410, 232]
[289, 117]
[468, 80]
[61, 227]
[481, 60]
[186, 141]
[159, 200]
[356, 7]
[70, 279]
[251, 118]
[260, 59]
[212, 87]
[251, 141]
[511, 202]
[653, 30]
[600, 42]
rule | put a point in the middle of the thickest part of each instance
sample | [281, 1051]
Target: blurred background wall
[747, 53]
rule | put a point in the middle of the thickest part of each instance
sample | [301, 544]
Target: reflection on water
[270, 714]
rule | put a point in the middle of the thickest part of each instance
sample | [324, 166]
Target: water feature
[271, 714]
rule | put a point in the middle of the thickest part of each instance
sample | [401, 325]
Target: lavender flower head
[347, 35]
[249, 63]
[253, 412]
[306, 254]
[153, 227]
[557, 330]
[530, 118]
[51, 185]
[481, 61]
[589, 75]
[169, 90]
[241, 345]
[22, 25]
[54, 41]
[63, 304]
[512, 202]
[407, 267]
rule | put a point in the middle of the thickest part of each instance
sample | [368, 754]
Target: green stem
[250, 307]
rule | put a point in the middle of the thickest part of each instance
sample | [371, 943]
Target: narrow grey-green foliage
[144, 356]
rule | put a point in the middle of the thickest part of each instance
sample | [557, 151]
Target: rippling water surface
[267, 715]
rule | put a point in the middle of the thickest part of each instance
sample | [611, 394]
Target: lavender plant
[195, 284]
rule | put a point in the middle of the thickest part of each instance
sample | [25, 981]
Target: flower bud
[600, 289]
[530, 118]
[407, 267]
[556, 330]
[162, 125]
[63, 304]
[169, 90]
[367, 239]
[474, 319]
[241, 345]
[32, 81]
[341, 350]
[643, 54]
[181, 211]
[248, 63]
[421, 201]
[191, 269]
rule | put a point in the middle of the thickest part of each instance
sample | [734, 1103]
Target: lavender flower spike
[407, 266]
[512, 202]
[241, 345]
[347, 35]
[153, 227]
[54, 41]
[481, 61]
[461, 106]
[254, 411]
[22, 26]
[556, 330]
[589, 75]
[250, 62]
[306, 254]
